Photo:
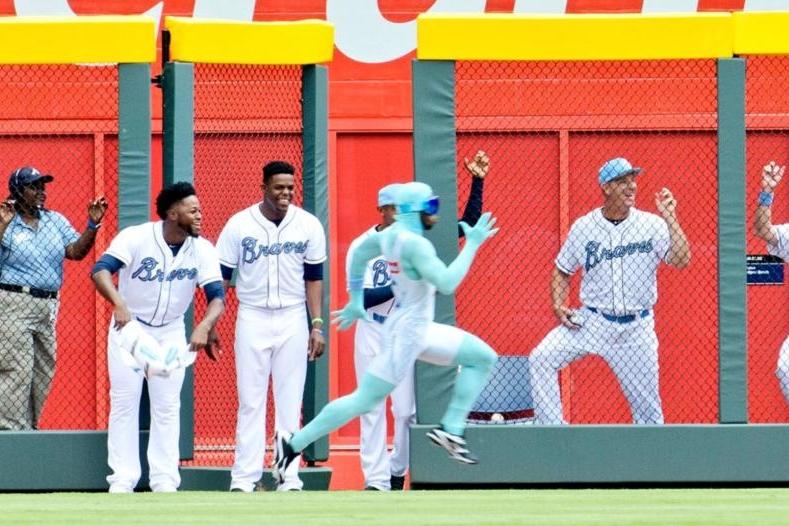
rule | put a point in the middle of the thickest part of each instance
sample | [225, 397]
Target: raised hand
[480, 232]
[348, 315]
[479, 165]
[771, 176]
[665, 202]
[97, 208]
[7, 211]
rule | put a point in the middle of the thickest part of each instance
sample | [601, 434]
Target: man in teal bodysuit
[410, 332]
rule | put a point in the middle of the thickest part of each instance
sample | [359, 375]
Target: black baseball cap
[26, 175]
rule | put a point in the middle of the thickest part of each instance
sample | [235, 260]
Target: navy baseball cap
[616, 168]
[25, 176]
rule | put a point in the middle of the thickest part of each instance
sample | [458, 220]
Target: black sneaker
[372, 488]
[453, 444]
[397, 482]
[284, 455]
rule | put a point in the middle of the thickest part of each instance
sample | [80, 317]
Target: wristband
[765, 198]
[92, 225]
[316, 321]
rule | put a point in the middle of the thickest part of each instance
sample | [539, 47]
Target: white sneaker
[284, 455]
[164, 488]
[455, 445]
[120, 488]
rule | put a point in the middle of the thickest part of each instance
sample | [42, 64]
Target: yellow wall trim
[79, 39]
[574, 37]
[233, 42]
[761, 33]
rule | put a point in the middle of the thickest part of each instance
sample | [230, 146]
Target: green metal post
[315, 119]
[435, 164]
[732, 323]
[178, 158]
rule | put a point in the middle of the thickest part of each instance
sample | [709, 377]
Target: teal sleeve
[367, 250]
[422, 257]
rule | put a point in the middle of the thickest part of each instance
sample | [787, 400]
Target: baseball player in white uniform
[384, 471]
[777, 238]
[278, 250]
[619, 249]
[159, 264]
[409, 331]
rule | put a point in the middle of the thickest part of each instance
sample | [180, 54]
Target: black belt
[36, 293]
[627, 318]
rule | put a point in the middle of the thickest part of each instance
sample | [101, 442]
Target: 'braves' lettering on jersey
[157, 286]
[595, 253]
[269, 258]
[780, 249]
[253, 250]
[148, 271]
[619, 261]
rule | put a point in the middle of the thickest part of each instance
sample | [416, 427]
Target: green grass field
[758, 507]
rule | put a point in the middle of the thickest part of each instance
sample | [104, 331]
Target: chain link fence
[644, 347]
[767, 121]
[62, 121]
[245, 116]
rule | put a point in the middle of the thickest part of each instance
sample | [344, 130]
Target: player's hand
[771, 176]
[480, 232]
[348, 315]
[666, 204]
[97, 208]
[7, 211]
[479, 165]
[565, 317]
[199, 338]
[122, 316]
[317, 344]
[213, 348]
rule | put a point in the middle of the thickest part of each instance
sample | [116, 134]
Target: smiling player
[619, 249]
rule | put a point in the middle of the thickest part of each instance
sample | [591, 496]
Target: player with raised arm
[384, 471]
[417, 273]
[777, 238]
[159, 264]
[619, 249]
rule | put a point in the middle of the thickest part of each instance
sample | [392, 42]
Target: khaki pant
[27, 357]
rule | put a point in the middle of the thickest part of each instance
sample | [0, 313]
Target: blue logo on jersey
[380, 273]
[252, 251]
[595, 255]
[148, 272]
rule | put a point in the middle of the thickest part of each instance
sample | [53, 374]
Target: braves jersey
[780, 249]
[375, 275]
[269, 258]
[619, 262]
[157, 286]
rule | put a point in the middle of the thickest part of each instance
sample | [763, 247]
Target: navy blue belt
[378, 317]
[627, 318]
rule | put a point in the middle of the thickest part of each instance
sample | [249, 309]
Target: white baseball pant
[377, 464]
[268, 342]
[629, 349]
[123, 446]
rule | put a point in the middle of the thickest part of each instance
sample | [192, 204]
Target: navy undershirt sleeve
[214, 290]
[376, 296]
[227, 272]
[313, 271]
[108, 263]
[473, 208]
